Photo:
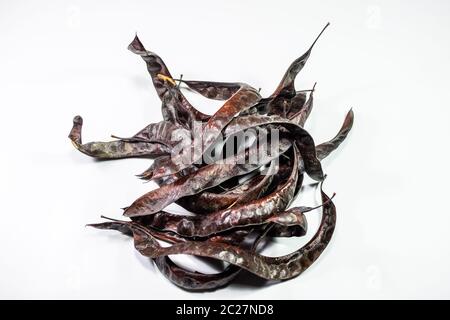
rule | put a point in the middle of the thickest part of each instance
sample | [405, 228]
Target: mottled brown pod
[237, 196]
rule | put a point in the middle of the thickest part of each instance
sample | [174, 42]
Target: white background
[389, 60]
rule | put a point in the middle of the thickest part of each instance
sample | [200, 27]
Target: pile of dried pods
[235, 204]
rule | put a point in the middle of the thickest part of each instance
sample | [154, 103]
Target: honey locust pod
[237, 197]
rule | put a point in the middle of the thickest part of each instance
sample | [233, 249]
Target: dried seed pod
[302, 115]
[324, 149]
[286, 107]
[162, 132]
[274, 268]
[233, 200]
[207, 202]
[303, 139]
[242, 100]
[175, 107]
[286, 86]
[114, 149]
[204, 178]
[213, 90]
[253, 213]
[186, 279]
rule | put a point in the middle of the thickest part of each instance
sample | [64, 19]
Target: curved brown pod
[196, 281]
[124, 227]
[324, 149]
[193, 280]
[163, 132]
[207, 202]
[213, 90]
[255, 212]
[114, 149]
[286, 85]
[274, 268]
[186, 279]
[175, 107]
[204, 178]
[302, 115]
[286, 107]
[240, 101]
[302, 138]
[232, 200]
